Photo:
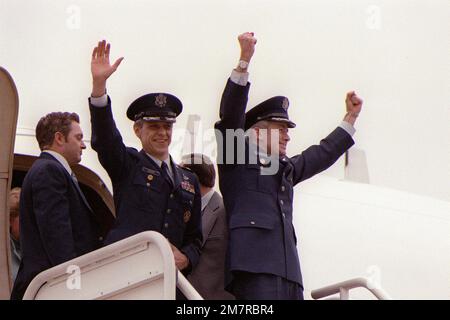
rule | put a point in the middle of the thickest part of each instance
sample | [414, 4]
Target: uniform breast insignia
[189, 187]
[187, 216]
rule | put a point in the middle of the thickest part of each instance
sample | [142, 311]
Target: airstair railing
[186, 288]
[344, 287]
[139, 267]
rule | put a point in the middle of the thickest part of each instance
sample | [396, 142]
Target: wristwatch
[243, 64]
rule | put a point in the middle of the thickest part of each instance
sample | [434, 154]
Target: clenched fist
[353, 104]
[247, 41]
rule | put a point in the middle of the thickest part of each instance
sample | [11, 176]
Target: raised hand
[353, 104]
[101, 69]
[247, 41]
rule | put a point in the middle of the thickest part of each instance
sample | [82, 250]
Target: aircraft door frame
[9, 109]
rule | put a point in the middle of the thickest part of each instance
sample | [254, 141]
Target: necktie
[74, 178]
[166, 173]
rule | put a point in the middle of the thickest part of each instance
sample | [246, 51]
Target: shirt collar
[15, 246]
[60, 159]
[262, 157]
[159, 163]
[206, 198]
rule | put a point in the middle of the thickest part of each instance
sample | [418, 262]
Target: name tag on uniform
[150, 171]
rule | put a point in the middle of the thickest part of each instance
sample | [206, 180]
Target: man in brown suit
[208, 276]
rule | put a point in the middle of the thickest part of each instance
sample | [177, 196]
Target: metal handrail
[112, 252]
[344, 287]
[186, 288]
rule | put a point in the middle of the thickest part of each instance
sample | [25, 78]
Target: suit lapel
[176, 174]
[209, 217]
[80, 192]
[48, 156]
[149, 161]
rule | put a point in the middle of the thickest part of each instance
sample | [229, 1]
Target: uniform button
[100, 238]
[166, 225]
[252, 222]
[168, 210]
[171, 196]
[281, 202]
[190, 202]
[148, 184]
[283, 188]
[284, 216]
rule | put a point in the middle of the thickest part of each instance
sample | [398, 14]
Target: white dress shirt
[60, 159]
[206, 198]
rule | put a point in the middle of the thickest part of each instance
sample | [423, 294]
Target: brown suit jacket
[208, 276]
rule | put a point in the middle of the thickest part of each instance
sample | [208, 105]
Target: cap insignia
[160, 100]
[285, 104]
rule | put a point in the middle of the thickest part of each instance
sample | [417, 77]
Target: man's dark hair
[202, 166]
[52, 123]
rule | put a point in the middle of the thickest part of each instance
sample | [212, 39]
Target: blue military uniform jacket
[262, 238]
[143, 198]
[56, 222]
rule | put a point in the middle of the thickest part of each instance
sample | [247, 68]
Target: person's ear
[137, 130]
[59, 139]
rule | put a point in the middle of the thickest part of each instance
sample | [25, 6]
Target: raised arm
[235, 95]
[106, 138]
[317, 158]
[247, 42]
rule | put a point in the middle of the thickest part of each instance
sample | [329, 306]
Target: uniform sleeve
[107, 141]
[51, 208]
[192, 241]
[232, 105]
[317, 158]
[232, 116]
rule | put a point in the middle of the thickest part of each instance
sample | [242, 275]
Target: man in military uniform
[150, 191]
[262, 260]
